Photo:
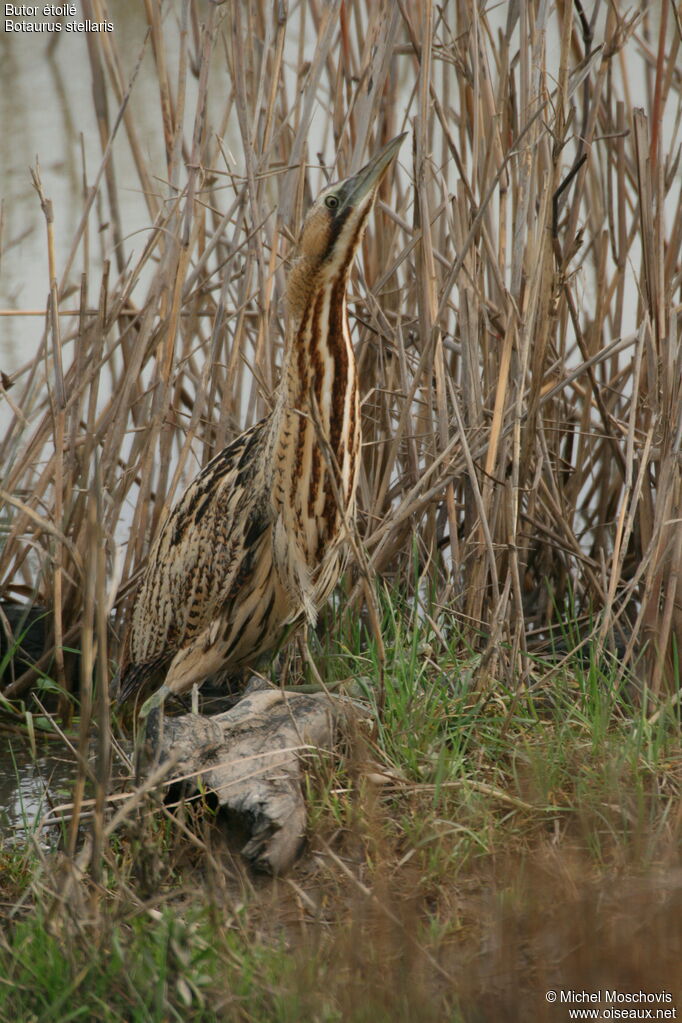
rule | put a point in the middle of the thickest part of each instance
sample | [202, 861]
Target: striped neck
[317, 417]
[320, 370]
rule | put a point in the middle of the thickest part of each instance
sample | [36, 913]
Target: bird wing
[199, 558]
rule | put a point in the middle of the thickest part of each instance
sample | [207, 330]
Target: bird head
[333, 229]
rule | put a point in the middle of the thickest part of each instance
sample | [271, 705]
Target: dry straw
[516, 311]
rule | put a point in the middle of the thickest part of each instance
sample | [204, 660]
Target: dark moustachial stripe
[335, 230]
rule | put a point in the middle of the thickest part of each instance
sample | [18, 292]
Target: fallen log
[252, 757]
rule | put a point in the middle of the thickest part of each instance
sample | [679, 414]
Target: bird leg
[150, 725]
[155, 702]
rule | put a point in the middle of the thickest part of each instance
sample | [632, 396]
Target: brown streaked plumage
[256, 541]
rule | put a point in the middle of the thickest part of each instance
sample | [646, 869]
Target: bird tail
[135, 676]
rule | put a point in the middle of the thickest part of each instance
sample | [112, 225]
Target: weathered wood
[252, 757]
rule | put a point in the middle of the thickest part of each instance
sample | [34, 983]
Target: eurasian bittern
[255, 544]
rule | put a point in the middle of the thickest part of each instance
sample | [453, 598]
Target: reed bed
[517, 315]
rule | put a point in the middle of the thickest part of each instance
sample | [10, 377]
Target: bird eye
[331, 202]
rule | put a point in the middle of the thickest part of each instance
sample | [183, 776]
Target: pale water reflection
[30, 786]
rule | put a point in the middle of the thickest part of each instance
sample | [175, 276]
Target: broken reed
[517, 316]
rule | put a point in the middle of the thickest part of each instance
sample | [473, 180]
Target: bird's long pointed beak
[367, 179]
